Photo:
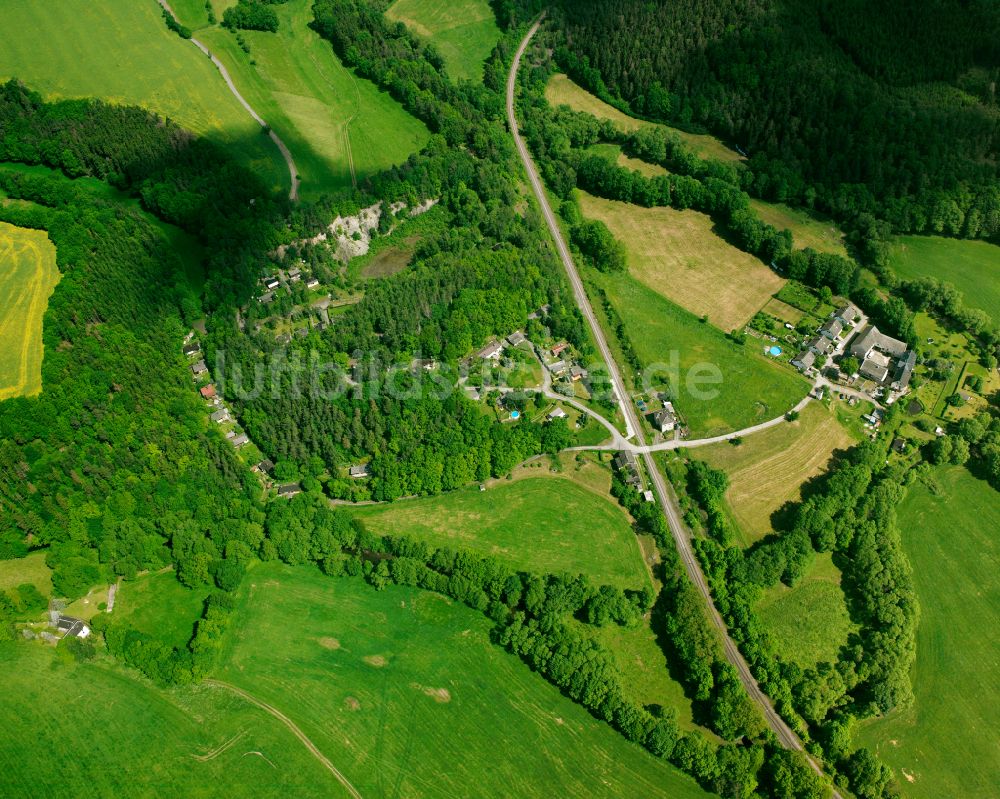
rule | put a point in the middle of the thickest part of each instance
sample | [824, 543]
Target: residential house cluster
[628, 468]
[828, 338]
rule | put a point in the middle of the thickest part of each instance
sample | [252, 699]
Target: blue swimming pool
[515, 414]
[775, 351]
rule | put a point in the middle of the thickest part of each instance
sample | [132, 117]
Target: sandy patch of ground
[376, 660]
[329, 643]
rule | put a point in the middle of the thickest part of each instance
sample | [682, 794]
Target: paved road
[293, 193]
[666, 499]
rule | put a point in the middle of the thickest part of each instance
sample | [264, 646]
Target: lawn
[28, 276]
[121, 51]
[30, 569]
[807, 230]
[973, 267]
[157, 604]
[768, 468]
[464, 32]
[98, 731]
[331, 120]
[563, 91]
[538, 523]
[946, 743]
[752, 389]
[678, 254]
[808, 623]
[404, 692]
[614, 152]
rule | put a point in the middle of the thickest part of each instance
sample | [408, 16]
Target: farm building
[831, 329]
[72, 627]
[871, 339]
[876, 366]
[804, 360]
[491, 351]
[664, 419]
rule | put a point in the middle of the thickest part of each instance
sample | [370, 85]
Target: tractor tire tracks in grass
[293, 173]
[293, 727]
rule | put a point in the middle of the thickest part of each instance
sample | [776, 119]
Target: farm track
[293, 173]
[293, 727]
[785, 735]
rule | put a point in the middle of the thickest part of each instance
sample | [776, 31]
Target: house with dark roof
[192, 349]
[264, 467]
[266, 297]
[362, 470]
[221, 415]
[72, 627]
[289, 490]
[241, 440]
[847, 314]
[904, 370]
[577, 373]
[270, 282]
[898, 445]
[820, 345]
[871, 339]
[628, 467]
[831, 329]
[558, 367]
[199, 369]
[491, 351]
[804, 360]
[515, 338]
[876, 366]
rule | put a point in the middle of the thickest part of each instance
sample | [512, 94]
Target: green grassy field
[463, 31]
[160, 606]
[28, 276]
[538, 523]
[768, 468]
[30, 569]
[97, 731]
[403, 691]
[122, 52]
[753, 389]
[973, 267]
[329, 118]
[807, 230]
[946, 743]
[808, 623]
[678, 254]
[563, 91]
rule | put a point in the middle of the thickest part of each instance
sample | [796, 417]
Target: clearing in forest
[807, 230]
[464, 32]
[339, 127]
[678, 254]
[397, 716]
[768, 468]
[945, 744]
[28, 276]
[546, 523]
[808, 623]
[563, 91]
[122, 52]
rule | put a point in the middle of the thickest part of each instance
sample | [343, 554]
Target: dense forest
[886, 109]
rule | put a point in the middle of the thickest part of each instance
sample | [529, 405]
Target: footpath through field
[784, 733]
[293, 173]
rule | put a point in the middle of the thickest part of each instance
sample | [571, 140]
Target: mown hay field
[679, 255]
[28, 276]
[768, 469]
